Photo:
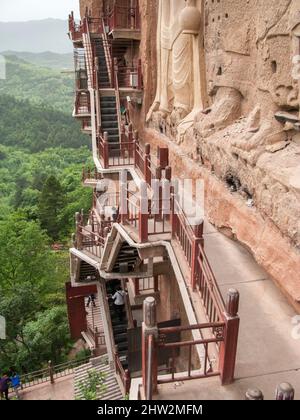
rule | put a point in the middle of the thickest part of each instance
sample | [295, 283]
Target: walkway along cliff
[177, 325]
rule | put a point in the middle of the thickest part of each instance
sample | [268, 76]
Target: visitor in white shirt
[119, 302]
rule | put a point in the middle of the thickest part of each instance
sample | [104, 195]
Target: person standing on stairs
[4, 386]
[91, 299]
[119, 302]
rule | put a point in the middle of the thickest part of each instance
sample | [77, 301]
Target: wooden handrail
[118, 101]
[108, 57]
[123, 374]
[44, 375]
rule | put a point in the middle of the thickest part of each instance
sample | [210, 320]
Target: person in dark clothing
[4, 386]
[91, 299]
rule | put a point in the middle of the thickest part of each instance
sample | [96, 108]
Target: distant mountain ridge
[44, 59]
[36, 36]
[39, 85]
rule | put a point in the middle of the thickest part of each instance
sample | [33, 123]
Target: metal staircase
[103, 69]
[139, 245]
[119, 327]
[109, 118]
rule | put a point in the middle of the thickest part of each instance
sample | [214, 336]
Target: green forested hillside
[45, 59]
[41, 155]
[40, 85]
[37, 127]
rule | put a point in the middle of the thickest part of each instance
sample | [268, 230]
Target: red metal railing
[75, 29]
[125, 17]
[86, 124]
[207, 286]
[207, 369]
[217, 339]
[182, 231]
[202, 276]
[90, 241]
[91, 174]
[133, 210]
[130, 76]
[123, 374]
[79, 59]
[139, 158]
[95, 25]
[149, 284]
[51, 373]
[82, 104]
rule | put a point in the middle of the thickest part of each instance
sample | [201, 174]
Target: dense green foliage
[23, 178]
[30, 285]
[40, 85]
[41, 158]
[50, 205]
[35, 127]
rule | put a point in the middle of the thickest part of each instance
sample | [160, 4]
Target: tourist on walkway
[4, 386]
[119, 302]
[92, 299]
[15, 382]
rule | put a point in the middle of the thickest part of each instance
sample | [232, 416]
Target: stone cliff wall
[220, 90]
[237, 126]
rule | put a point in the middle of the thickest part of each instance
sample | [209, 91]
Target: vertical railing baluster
[190, 361]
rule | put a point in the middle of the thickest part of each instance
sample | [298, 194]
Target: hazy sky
[22, 10]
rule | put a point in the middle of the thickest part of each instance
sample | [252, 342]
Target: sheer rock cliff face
[222, 91]
[220, 85]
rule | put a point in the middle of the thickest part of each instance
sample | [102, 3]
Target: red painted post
[106, 150]
[124, 147]
[51, 372]
[163, 156]
[140, 76]
[155, 284]
[174, 217]
[197, 241]
[127, 381]
[143, 213]
[228, 348]
[130, 133]
[124, 197]
[147, 158]
[78, 230]
[135, 148]
[137, 287]
[85, 25]
[168, 173]
[149, 328]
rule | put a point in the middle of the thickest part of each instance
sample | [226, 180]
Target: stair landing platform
[267, 352]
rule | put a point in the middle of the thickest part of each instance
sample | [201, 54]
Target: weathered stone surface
[249, 79]
[230, 212]
[224, 94]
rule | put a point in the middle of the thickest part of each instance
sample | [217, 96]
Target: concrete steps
[113, 390]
